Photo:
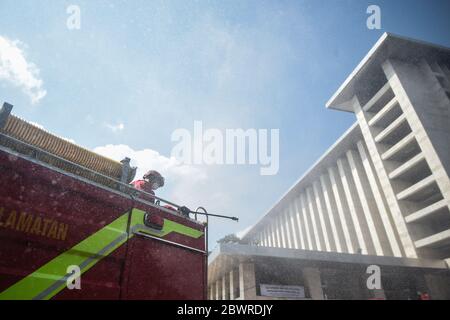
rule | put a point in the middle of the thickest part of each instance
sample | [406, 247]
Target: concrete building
[379, 196]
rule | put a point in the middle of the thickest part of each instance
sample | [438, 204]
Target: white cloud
[40, 126]
[147, 159]
[68, 140]
[115, 127]
[180, 178]
[15, 69]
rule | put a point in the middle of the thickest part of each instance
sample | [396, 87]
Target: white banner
[280, 291]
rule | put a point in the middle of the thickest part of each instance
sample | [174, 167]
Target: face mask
[155, 186]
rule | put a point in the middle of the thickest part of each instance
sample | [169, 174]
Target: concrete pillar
[282, 231]
[278, 232]
[266, 237]
[331, 212]
[385, 183]
[313, 282]
[324, 222]
[300, 225]
[247, 281]
[306, 220]
[225, 287]
[339, 197]
[219, 289]
[318, 234]
[274, 234]
[379, 201]
[367, 204]
[288, 232]
[213, 291]
[427, 109]
[269, 236]
[292, 226]
[234, 284]
[349, 191]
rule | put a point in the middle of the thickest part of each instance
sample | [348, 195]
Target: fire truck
[71, 226]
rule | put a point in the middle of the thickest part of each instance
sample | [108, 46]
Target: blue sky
[138, 70]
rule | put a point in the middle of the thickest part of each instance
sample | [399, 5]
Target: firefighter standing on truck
[151, 181]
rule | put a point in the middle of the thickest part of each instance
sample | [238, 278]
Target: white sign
[279, 291]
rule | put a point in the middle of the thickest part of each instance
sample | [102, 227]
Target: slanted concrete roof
[368, 73]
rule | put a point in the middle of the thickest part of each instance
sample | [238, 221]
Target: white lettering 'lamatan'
[234, 146]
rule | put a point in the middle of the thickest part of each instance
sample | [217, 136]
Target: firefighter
[151, 181]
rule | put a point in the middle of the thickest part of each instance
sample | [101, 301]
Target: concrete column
[379, 201]
[332, 213]
[427, 109]
[219, 289]
[269, 236]
[273, 233]
[264, 237]
[211, 292]
[385, 183]
[350, 194]
[367, 204]
[306, 220]
[278, 233]
[261, 238]
[225, 287]
[288, 232]
[298, 222]
[247, 281]
[282, 231]
[339, 197]
[313, 282]
[234, 284]
[324, 223]
[316, 234]
[291, 226]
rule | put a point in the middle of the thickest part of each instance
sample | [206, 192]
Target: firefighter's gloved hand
[184, 211]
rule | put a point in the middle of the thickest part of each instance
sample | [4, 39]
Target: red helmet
[154, 176]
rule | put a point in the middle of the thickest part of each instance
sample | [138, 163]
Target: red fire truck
[71, 226]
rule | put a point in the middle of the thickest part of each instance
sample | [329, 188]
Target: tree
[230, 238]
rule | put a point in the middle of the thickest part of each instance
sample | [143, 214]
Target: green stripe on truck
[51, 278]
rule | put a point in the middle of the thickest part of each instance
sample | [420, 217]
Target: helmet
[154, 176]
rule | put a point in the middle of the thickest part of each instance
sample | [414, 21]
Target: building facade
[380, 196]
